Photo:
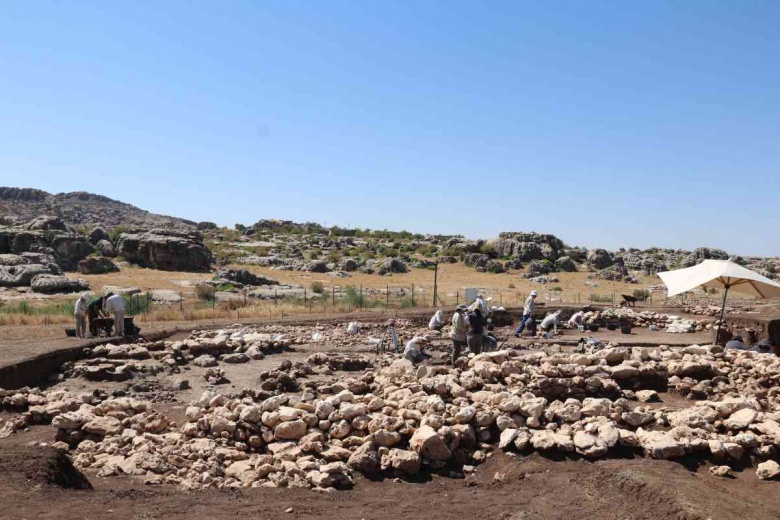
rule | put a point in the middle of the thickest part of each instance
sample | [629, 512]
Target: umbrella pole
[722, 311]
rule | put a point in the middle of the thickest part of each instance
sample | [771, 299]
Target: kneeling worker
[437, 321]
[414, 349]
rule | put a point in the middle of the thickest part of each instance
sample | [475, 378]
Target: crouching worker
[550, 322]
[577, 320]
[437, 321]
[458, 331]
[414, 350]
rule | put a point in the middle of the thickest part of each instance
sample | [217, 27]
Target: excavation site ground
[302, 419]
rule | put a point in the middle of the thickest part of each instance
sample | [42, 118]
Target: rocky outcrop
[49, 236]
[392, 265]
[205, 226]
[538, 268]
[81, 208]
[106, 248]
[97, 265]
[317, 266]
[566, 264]
[46, 223]
[705, 253]
[244, 277]
[528, 246]
[165, 250]
[19, 270]
[49, 283]
[476, 260]
[599, 259]
[349, 264]
[98, 234]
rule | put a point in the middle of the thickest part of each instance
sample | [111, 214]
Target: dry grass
[145, 279]
[453, 279]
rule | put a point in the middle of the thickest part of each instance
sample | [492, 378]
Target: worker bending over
[414, 350]
[116, 304]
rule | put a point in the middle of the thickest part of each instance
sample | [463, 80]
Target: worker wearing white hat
[528, 315]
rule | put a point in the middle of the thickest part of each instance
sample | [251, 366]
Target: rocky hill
[80, 209]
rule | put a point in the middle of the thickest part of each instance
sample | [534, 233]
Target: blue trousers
[529, 320]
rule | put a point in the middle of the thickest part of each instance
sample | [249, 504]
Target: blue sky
[606, 123]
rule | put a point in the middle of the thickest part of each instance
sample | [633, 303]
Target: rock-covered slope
[18, 205]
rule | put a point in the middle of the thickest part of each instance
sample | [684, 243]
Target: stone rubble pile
[202, 348]
[398, 419]
[674, 324]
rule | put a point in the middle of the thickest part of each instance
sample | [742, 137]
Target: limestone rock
[769, 470]
[428, 444]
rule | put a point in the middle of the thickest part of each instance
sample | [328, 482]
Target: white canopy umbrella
[720, 274]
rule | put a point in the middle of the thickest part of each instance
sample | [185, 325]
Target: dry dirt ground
[510, 488]
[37, 484]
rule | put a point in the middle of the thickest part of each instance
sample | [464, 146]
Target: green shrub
[408, 302]
[353, 297]
[334, 256]
[205, 292]
[136, 304]
[641, 294]
[487, 249]
[601, 299]
[113, 235]
[557, 288]
[317, 287]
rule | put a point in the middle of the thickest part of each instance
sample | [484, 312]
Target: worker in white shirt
[577, 319]
[437, 321]
[414, 349]
[80, 312]
[116, 304]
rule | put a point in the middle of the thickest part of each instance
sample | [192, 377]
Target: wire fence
[270, 303]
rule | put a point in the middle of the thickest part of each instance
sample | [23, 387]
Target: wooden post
[412, 295]
[387, 296]
[333, 296]
[435, 281]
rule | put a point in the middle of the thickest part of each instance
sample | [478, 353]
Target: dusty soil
[512, 488]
